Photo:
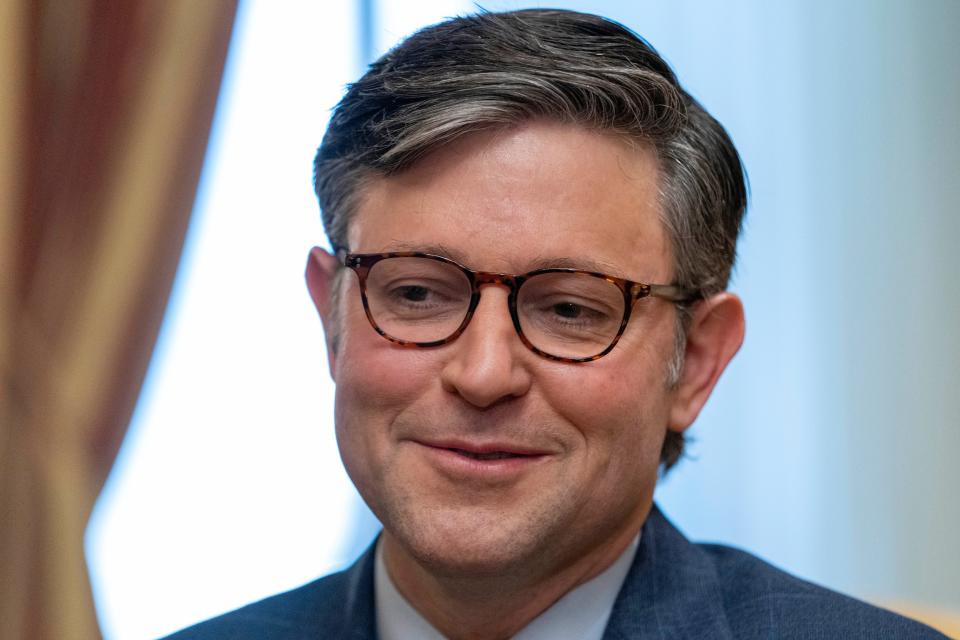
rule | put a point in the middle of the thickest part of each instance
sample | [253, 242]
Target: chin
[471, 542]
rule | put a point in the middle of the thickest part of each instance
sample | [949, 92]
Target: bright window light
[229, 486]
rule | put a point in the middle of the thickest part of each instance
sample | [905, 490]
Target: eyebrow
[538, 262]
[435, 249]
[566, 262]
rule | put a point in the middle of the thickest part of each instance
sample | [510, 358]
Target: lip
[457, 459]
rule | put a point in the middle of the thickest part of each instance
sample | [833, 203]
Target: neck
[495, 605]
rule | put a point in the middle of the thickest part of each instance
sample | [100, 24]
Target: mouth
[492, 455]
[483, 461]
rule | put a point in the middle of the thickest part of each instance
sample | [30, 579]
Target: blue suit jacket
[675, 589]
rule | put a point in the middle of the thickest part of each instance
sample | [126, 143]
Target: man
[533, 226]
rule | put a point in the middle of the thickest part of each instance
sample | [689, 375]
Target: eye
[413, 293]
[420, 295]
[568, 310]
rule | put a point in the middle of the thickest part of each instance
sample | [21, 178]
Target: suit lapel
[672, 590]
[359, 617]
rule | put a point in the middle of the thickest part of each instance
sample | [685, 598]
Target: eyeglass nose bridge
[481, 278]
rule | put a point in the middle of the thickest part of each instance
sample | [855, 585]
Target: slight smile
[488, 461]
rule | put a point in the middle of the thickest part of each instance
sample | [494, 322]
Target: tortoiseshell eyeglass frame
[361, 263]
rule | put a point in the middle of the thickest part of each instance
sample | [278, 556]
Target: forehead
[515, 199]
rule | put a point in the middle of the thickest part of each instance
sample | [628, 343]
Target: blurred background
[158, 210]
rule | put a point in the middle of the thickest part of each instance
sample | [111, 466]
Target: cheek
[612, 393]
[376, 381]
[620, 425]
[620, 409]
[378, 373]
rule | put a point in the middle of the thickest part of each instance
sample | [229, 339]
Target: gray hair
[491, 71]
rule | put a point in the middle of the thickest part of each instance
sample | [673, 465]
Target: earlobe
[320, 274]
[713, 338]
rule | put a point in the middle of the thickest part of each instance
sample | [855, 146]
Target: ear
[321, 271]
[713, 338]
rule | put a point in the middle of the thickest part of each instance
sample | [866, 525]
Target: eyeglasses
[421, 300]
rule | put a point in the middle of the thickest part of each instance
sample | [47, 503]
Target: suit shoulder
[285, 616]
[762, 601]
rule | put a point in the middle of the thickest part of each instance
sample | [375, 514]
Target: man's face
[407, 419]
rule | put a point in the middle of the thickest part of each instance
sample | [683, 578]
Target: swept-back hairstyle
[494, 70]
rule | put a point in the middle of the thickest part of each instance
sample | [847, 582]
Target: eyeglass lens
[570, 315]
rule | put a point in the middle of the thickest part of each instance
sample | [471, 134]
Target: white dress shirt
[581, 614]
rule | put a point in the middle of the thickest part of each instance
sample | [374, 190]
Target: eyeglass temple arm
[673, 293]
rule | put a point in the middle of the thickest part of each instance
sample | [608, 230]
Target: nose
[488, 363]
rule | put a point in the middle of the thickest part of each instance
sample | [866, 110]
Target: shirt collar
[581, 614]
